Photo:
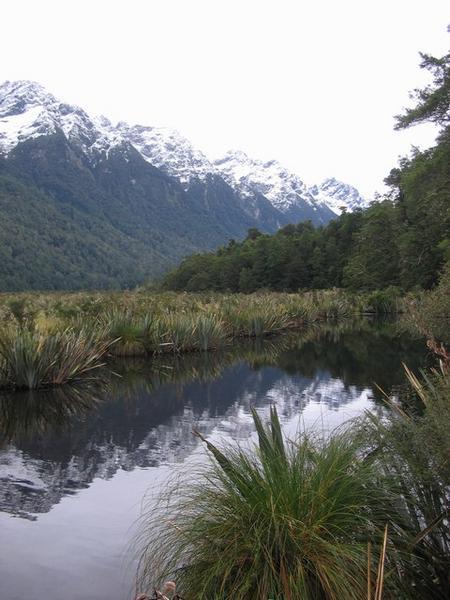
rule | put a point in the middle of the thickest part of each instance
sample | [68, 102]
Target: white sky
[312, 83]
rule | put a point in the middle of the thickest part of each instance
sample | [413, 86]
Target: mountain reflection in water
[57, 442]
[76, 462]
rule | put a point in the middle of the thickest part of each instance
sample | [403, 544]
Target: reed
[129, 331]
[209, 332]
[177, 333]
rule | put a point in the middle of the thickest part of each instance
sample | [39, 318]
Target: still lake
[77, 464]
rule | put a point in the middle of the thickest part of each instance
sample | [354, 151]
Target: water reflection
[56, 443]
[35, 413]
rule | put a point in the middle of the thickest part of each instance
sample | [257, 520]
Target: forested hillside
[71, 223]
[401, 241]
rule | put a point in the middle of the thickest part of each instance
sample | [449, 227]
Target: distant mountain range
[88, 204]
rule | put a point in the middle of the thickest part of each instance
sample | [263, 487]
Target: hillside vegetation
[70, 224]
[401, 241]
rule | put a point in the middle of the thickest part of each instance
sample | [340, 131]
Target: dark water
[75, 465]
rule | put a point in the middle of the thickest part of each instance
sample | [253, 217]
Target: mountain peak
[28, 110]
[268, 178]
[338, 196]
[169, 151]
[17, 96]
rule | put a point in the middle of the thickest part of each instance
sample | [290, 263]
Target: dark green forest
[401, 241]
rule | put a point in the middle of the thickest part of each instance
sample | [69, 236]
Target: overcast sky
[311, 83]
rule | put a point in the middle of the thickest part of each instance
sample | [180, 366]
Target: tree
[433, 101]
[373, 263]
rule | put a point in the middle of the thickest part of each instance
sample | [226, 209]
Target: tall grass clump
[413, 450]
[288, 520]
[383, 302]
[210, 332]
[30, 359]
[428, 313]
[256, 318]
[177, 332]
[130, 332]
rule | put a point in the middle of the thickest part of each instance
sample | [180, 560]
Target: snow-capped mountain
[284, 189]
[27, 111]
[136, 199]
[270, 179]
[338, 196]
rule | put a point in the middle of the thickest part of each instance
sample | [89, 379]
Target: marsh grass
[210, 332]
[36, 326]
[177, 333]
[129, 331]
[412, 447]
[288, 520]
[30, 359]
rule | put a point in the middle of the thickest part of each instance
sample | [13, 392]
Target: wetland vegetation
[56, 338]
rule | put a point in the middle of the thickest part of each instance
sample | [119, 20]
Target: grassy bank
[55, 338]
[49, 339]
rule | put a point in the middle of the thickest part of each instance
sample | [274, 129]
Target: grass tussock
[412, 447]
[289, 520]
[30, 359]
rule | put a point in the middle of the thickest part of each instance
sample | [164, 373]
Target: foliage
[367, 250]
[402, 241]
[413, 449]
[434, 100]
[428, 313]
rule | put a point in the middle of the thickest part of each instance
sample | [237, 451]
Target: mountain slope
[85, 203]
[142, 219]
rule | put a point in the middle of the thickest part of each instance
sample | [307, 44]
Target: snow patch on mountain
[248, 176]
[338, 196]
[169, 151]
[27, 111]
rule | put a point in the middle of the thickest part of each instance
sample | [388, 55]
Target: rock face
[85, 203]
